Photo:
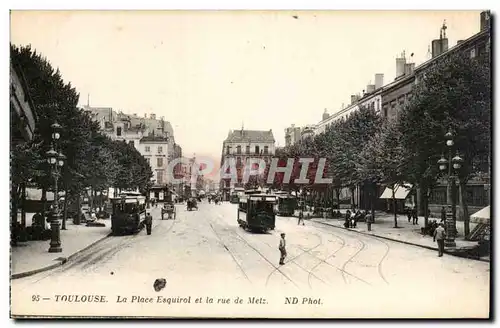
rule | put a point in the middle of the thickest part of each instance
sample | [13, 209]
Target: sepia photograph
[285, 164]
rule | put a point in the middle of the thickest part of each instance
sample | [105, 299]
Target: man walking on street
[282, 248]
[369, 220]
[439, 236]
[301, 218]
[149, 223]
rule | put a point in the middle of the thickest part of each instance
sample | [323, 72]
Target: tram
[287, 204]
[236, 194]
[129, 210]
[256, 212]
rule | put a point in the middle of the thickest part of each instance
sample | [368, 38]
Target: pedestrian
[443, 214]
[149, 223]
[347, 219]
[408, 213]
[282, 248]
[439, 237]
[415, 216]
[301, 218]
[369, 220]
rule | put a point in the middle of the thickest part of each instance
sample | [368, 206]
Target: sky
[208, 72]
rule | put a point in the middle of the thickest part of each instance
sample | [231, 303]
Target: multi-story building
[22, 111]
[388, 100]
[152, 137]
[396, 94]
[292, 135]
[241, 145]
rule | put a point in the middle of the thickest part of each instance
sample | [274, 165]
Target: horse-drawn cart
[169, 210]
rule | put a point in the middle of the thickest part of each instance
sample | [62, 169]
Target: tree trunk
[44, 201]
[65, 212]
[23, 205]
[394, 206]
[373, 200]
[353, 205]
[463, 209]
[76, 220]
[13, 214]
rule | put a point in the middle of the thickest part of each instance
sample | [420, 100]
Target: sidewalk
[32, 257]
[406, 233]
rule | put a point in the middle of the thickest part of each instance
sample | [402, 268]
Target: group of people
[352, 218]
[412, 215]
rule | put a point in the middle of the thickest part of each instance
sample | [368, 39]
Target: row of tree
[92, 159]
[365, 149]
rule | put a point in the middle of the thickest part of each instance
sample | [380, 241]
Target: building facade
[240, 145]
[292, 135]
[152, 137]
[22, 110]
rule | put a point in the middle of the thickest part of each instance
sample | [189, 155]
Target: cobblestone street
[205, 253]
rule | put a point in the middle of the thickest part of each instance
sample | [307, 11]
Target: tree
[454, 95]
[382, 159]
[348, 139]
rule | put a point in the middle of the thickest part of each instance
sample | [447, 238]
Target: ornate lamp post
[56, 161]
[453, 165]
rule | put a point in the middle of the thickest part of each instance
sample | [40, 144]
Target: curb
[400, 241]
[58, 262]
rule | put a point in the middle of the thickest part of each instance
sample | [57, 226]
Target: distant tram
[129, 210]
[235, 196]
[256, 212]
[286, 204]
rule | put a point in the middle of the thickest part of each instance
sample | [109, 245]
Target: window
[119, 131]
[385, 112]
[160, 149]
[238, 150]
[228, 150]
[148, 149]
[227, 183]
[266, 150]
[159, 177]
[148, 160]
[473, 53]
[131, 142]
[257, 150]
[159, 162]
[238, 161]
[372, 106]
[247, 150]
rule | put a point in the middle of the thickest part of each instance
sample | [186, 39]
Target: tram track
[230, 253]
[96, 254]
[292, 260]
[379, 264]
[276, 268]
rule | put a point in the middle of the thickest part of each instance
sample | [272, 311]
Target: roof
[250, 136]
[154, 139]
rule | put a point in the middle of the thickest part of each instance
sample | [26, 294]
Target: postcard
[250, 164]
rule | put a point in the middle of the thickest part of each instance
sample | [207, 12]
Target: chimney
[460, 41]
[409, 68]
[379, 81]
[152, 116]
[145, 115]
[440, 45]
[353, 99]
[400, 65]
[370, 88]
[485, 21]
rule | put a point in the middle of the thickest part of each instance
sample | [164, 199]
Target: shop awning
[481, 216]
[402, 191]
[36, 194]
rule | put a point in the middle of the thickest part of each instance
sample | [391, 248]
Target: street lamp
[452, 163]
[56, 162]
